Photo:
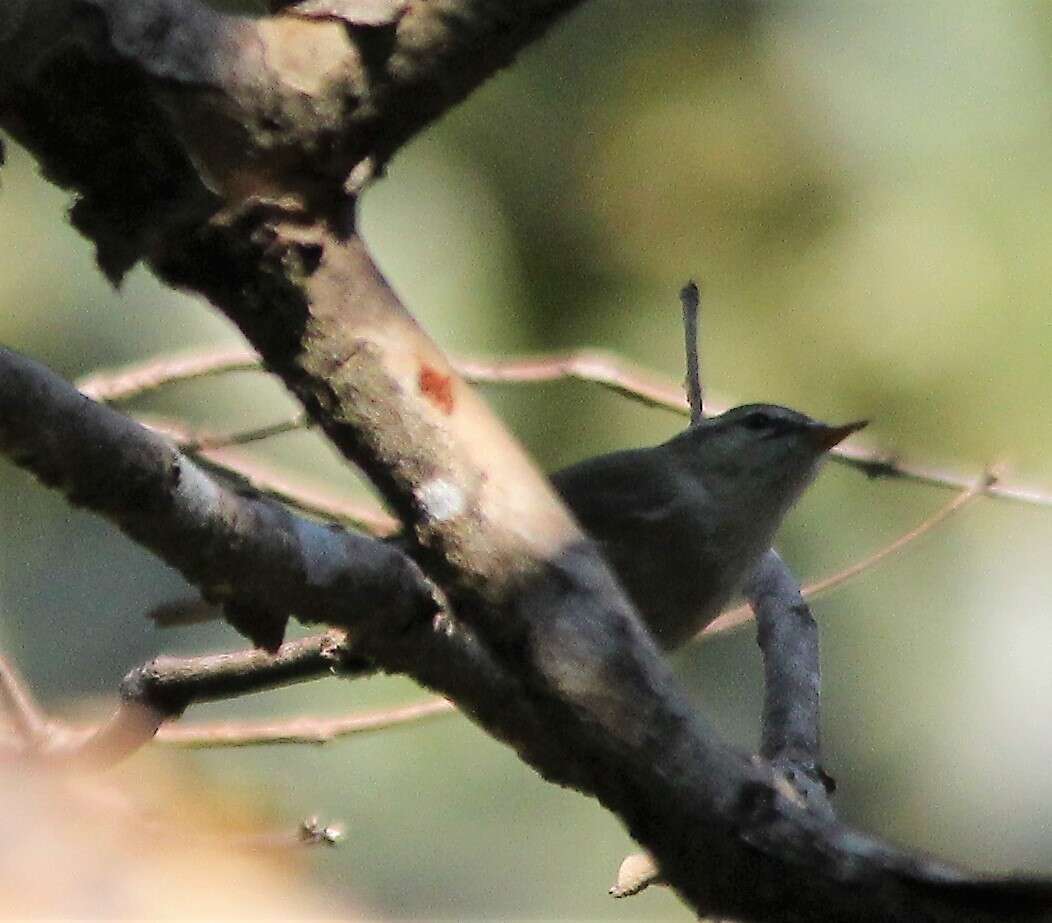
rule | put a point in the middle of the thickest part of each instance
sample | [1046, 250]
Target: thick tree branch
[597, 707]
[217, 109]
[253, 556]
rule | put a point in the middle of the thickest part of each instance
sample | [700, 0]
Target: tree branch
[591, 366]
[253, 556]
[163, 688]
[788, 638]
[301, 730]
[220, 109]
[111, 385]
[250, 152]
[598, 708]
[258, 476]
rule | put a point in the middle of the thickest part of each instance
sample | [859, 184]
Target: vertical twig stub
[690, 298]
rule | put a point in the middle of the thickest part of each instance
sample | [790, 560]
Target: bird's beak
[825, 437]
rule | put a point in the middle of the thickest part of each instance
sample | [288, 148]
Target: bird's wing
[629, 486]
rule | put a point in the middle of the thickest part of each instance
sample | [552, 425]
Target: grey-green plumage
[683, 523]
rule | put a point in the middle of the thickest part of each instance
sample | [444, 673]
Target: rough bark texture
[224, 152]
[253, 556]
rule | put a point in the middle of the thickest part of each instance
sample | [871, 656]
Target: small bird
[684, 523]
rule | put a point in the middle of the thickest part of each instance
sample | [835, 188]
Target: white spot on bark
[441, 499]
[197, 490]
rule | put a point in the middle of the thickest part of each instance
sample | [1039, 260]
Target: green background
[865, 190]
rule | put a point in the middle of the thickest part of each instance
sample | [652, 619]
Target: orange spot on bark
[437, 388]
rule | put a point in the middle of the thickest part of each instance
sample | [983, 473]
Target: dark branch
[170, 685]
[163, 688]
[788, 637]
[250, 554]
[218, 109]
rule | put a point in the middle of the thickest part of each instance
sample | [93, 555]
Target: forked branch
[257, 140]
[251, 555]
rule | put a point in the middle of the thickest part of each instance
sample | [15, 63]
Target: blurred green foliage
[865, 191]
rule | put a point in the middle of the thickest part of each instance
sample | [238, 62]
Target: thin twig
[623, 377]
[587, 365]
[303, 730]
[163, 688]
[876, 463]
[137, 720]
[307, 498]
[209, 441]
[264, 479]
[18, 704]
[691, 300]
[307, 729]
[958, 503]
[592, 366]
[109, 386]
[734, 618]
[129, 729]
[56, 743]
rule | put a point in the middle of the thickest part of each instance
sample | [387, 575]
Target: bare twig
[293, 491]
[309, 832]
[131, 726]
[108, 386]
[735, 618]
[255, 556]
[18, 704]
[622, 377]
[818, 587]
[171, 684]
[587, 365]
[209, 441]
[310, 729]
[166, 686]
[876, 463]
[264, 479]
[303, 730]
[690, 298]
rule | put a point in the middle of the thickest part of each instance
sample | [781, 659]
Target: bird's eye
[756, 420]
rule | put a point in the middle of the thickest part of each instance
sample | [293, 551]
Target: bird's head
[760, 454]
